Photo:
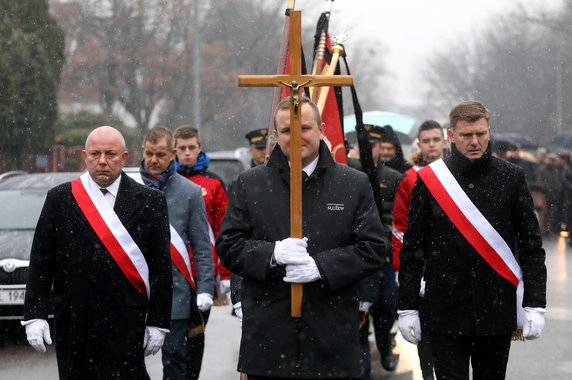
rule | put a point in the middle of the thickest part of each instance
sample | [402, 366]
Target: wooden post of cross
[295, 81]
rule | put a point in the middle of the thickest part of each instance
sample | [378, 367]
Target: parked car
[228, 164]
[22, 196]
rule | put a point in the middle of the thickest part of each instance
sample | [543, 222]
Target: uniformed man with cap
[257, 146]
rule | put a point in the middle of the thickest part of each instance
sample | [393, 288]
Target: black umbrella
[562, 140]
[520, 141]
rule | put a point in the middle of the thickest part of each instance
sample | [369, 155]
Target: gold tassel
[200, 329]
[517, 335]
[220, 301]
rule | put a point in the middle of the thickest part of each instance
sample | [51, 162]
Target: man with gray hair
[189, 224]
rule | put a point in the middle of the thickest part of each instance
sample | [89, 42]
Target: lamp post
[196, 33]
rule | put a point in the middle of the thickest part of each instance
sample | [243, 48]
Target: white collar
[309, 169]
[113, 188]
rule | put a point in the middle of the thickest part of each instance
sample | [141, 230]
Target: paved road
[547, 358]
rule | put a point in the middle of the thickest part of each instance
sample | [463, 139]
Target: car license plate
[12, 296]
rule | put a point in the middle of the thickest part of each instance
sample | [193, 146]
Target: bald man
[100, 263]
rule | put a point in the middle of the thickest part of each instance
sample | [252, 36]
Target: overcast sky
[411, 30]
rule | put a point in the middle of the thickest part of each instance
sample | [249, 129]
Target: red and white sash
[180, 256]
[112, 233]
[470, 221]
[178, 248]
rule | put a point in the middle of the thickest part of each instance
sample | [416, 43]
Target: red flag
[286, 90]
[334, 134]
[282, 67]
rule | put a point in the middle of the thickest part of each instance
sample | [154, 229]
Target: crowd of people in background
[549, 176]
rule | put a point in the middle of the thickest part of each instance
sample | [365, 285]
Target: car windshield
[21, 208]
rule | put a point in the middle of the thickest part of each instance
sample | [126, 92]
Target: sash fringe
[517, 335]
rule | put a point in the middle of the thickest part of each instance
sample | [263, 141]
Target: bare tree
[237, 38]
[138, 54]
[513, 68]
[365, 60]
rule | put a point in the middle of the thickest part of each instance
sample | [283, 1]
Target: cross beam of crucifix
[295, 81]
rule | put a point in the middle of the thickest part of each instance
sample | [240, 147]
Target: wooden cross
[295, 81]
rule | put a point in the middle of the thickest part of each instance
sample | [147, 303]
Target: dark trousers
[488, 355]
[253, 377]
[425, 356]
[365, 356]
[384, 312]
[174, 351]
[195, 350]
[424, 349]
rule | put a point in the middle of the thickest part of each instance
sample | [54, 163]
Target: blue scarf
[201, 164]
[156, 181]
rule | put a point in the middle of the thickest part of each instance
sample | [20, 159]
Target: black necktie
[304, 176]
[104, 191]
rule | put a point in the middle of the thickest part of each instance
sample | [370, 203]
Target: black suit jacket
[100, 317]
[464, 295]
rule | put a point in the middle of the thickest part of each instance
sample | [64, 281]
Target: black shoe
[389, 363]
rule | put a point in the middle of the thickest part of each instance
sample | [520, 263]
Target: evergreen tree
[27, 97]
[31, 60]
[33, 17]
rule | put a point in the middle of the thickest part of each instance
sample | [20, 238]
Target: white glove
[204, 301]
[410, 325]
[291, 251]
[302, 273]
[153, 339]
[238, 310]
[37, 332]
[224, 288]
[364, 306]
[533, 322]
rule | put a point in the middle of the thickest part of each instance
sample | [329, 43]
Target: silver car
[228, 164]
[22, 196]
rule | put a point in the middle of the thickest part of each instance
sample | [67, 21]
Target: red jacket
[401, 211]
[216, 202]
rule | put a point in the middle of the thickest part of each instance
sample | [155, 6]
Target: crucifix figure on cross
[295, 93]
[295, 81]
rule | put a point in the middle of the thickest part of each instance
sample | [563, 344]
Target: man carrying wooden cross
[342, 242]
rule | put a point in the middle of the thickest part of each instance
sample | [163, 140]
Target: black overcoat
[464, 295]
[346, 240]
[100, 317]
